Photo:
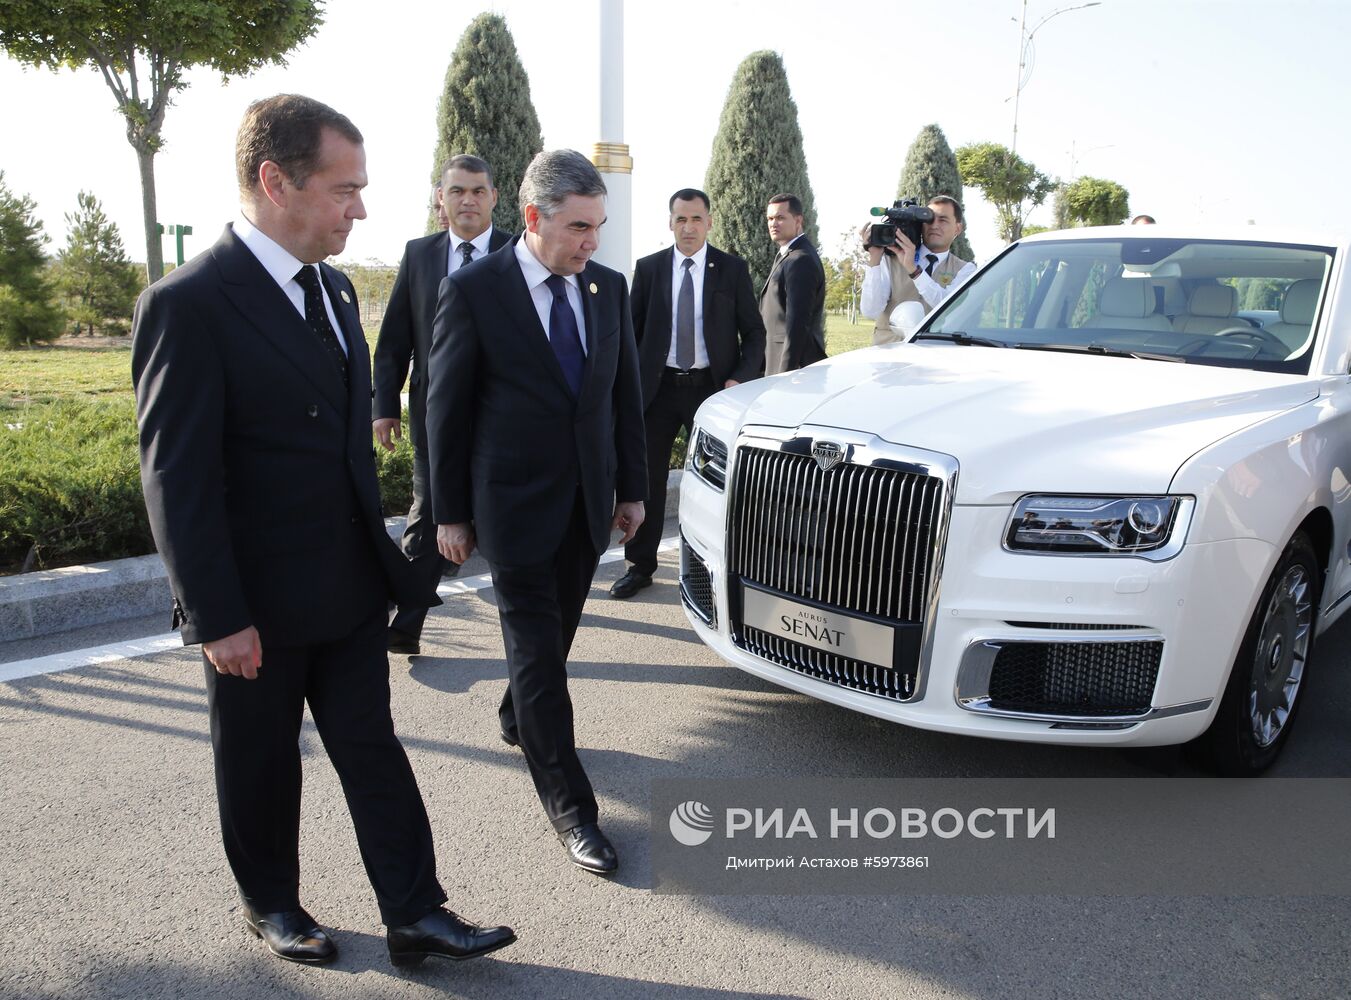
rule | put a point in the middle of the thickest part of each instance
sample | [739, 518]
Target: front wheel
[1259, 704]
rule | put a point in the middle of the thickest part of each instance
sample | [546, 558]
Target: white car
[1087, 503]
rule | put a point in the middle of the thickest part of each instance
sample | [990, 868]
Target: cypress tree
[486, 111]
[27, 314]
[931, 169]
[757, 153]
[93, 273]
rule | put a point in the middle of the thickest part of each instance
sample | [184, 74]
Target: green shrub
[395, 469]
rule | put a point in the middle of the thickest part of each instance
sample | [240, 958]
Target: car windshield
[1212, 302]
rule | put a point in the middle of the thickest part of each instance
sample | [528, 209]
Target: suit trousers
[419, 535]
[255, 729]
[540, 606]
[673, 407]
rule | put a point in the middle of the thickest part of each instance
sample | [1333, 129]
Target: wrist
[916, 272]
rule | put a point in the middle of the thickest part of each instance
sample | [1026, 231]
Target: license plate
[828, 631]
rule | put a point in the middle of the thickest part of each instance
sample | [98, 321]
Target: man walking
[698, 331]
[253, 401]
[535, 432]
[467, 198]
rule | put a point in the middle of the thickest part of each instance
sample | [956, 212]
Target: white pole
[611, 154]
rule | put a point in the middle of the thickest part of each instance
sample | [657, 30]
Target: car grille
[696, 585]
[1076, 678]
[858, 538]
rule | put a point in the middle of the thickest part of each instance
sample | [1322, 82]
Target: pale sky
[1220, 111]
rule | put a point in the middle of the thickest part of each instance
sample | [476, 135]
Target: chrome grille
[858, 538]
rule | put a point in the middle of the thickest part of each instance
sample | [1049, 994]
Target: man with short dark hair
[253, 402]
[467, 200]
[535, 433]
[698, 331]
[793, 299]
[923, 276]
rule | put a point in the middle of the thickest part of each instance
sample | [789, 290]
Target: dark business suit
[406, 336]
[537, 471]
[734, 337]
[259, 479]
[793, 306]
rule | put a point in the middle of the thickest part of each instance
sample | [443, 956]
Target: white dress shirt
[876, 289]
[700, 259]
[536, 274]
[455, 259]
[283, 267]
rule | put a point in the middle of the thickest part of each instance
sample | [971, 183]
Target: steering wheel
[1263, 339]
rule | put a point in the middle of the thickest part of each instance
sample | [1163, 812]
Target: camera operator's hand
[904, 251]
[874, 253]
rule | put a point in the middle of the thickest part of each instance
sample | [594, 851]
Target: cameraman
[903, 273]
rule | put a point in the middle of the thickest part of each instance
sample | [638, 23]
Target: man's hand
[455, 541]
[240, 655]
[874, 253]
[628, 517]
[387, 431]
[905, 252]
[729, 383]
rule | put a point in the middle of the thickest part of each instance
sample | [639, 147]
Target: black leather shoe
[630, 583]
[450, 570]
[590, 849]
[292, 935]
[441, 934]
[402, 642]
[508, 739]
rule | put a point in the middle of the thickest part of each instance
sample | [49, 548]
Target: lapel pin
[710, 263]
[345, 297]
[594, 289]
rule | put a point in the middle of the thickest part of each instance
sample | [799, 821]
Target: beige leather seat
[1297, 309]
[1174, 298]
[1210, 309]
[1128, 304]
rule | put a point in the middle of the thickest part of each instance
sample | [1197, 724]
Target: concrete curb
[58, 600]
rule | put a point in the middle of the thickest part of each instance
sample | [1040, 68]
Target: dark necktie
[685, 318]
[563, 335]
[467, 252]
[932, 258]
[316, 317]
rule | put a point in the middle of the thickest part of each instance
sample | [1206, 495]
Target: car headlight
[1151, 527]
[707, 459]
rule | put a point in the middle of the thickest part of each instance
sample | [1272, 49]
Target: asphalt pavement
[114, 883]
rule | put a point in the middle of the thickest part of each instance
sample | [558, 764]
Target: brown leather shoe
[292, 935]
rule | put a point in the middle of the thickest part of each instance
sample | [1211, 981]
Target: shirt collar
[783, 250]
[699, 256]
[479, 242]
[276, 259]
[941, 256]
[532, 270]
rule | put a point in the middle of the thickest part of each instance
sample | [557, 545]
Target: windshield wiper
[1106, 352]
[963, 339]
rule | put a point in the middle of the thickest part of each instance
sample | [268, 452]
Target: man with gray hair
[535, 436]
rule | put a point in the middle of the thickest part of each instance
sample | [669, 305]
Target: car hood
[1021, 421]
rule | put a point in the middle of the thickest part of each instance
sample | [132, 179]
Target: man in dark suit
[253, 401]
[698, 331]
[535, 432]
[793, 301]
[467, 199]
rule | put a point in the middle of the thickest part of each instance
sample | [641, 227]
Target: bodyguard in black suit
[793, 301]
[467, 198]
[253, 401]
[698, 331]
[535, 433]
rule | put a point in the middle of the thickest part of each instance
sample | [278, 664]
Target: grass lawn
[843, 336]
[49, 373]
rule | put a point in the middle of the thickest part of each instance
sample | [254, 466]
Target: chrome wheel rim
[1282, 651]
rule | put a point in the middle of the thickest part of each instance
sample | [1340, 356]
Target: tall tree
[27, 313]
[757, 153]
[1092, 201]
[143, 48]
[486, 111]
[1011, 184]
[93, 273]
[931, 169]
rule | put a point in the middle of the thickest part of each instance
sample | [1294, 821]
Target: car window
[1214, 302]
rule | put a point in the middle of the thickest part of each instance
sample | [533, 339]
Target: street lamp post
[1024, 47]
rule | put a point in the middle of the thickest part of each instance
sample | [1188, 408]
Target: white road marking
[76, 658]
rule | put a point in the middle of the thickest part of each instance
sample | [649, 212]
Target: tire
[1271, 671]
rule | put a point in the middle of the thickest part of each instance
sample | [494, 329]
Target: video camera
[906, 215]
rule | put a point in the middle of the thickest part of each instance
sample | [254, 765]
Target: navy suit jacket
[793, 306]
[509, 445]
[256, 461]
[733, 331]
